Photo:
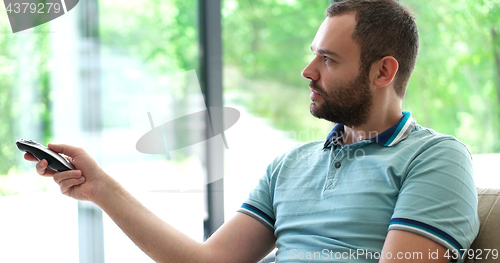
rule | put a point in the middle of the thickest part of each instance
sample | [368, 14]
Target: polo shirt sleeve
[438, 197]
[259, 204]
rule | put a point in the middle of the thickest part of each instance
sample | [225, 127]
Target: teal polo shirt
[328, 202]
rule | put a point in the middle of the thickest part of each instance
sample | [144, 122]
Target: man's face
[340, 92]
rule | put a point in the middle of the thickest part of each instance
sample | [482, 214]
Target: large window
[108, 72]
[100, 77]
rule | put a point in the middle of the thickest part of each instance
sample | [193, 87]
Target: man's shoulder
[429, 134]
[422, 134]
[426, 139]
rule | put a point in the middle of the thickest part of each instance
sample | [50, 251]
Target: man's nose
[310, 72]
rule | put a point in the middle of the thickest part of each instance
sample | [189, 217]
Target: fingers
[68, 179]
[65, 180]
[29, 157]
[67, 184]
[42, 168]
[59, 177]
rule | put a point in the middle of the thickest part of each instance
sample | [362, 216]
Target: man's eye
[327, 59]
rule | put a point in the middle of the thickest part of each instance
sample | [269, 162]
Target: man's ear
[384, 71]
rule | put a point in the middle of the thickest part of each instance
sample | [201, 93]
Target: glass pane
[455, 88]
[103, 76]
[149, 55]
[34, 213]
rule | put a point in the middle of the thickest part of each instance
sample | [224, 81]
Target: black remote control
[56, 161]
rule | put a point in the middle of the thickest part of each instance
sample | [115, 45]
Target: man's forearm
[159, 240]
[242, 239]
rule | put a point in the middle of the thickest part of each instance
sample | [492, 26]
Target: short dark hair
[384, 28]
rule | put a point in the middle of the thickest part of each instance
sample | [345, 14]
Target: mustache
[316, 87]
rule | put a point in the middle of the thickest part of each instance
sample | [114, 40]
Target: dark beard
[345, 103]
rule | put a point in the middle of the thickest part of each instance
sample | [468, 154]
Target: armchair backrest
[488, 238]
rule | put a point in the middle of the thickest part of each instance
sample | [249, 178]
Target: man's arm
[439, 199]
[408, 247]
[242, 239]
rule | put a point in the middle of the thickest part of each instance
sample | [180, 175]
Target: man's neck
[372, 128]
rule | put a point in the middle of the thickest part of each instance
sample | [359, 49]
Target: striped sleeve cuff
[428, 231]
[257, 214]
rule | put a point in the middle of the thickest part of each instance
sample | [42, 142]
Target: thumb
[65, 149]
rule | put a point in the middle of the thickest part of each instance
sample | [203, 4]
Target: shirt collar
[389, 137]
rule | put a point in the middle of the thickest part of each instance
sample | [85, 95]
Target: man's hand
[81, 184]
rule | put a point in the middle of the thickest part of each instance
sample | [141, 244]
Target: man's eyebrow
[327, 52]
